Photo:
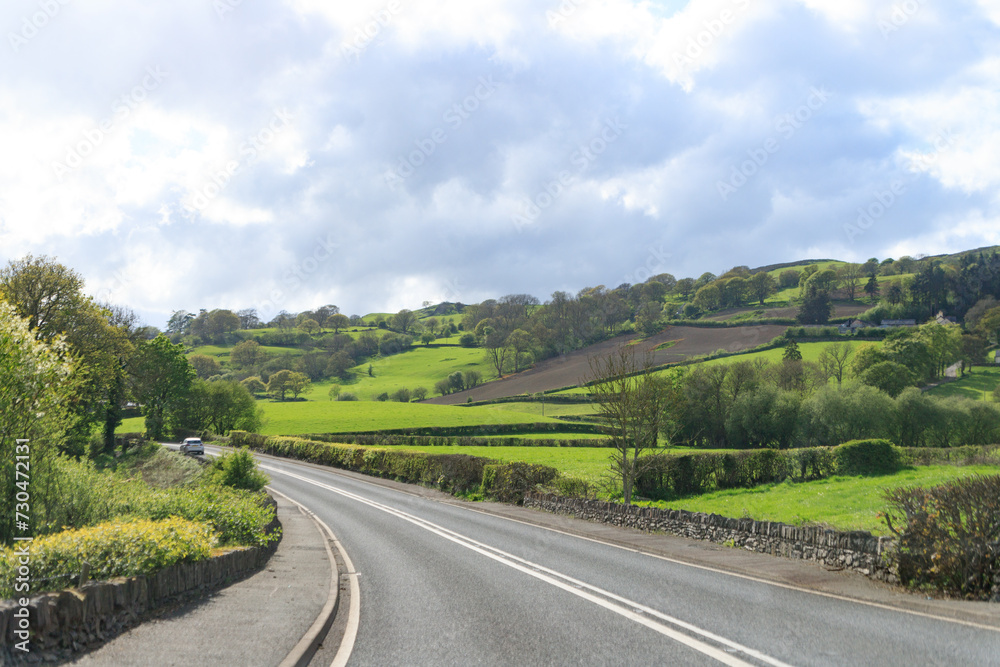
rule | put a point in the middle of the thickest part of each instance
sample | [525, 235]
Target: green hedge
[867, 457]
[118, 549]
[483, 429]
[392, 440]
[949, 536]
[455, 473]
[508, 482]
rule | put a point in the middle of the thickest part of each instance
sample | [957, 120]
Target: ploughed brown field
[574, 368]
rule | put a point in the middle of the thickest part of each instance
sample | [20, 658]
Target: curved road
[442, 584]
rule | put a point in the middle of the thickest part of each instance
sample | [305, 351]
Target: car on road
[192, 446]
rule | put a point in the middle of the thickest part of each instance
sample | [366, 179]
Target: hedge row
[117, 549]
[390, 440]
[665, 477]
[949, 536]
[455, 473]
[485, 429]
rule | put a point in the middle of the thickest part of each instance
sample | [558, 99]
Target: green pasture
[550, 409]
[978, 384]
[810, 352]
[843, 503]
[421, 366]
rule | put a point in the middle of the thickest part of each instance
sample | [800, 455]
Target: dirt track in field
[574, 368]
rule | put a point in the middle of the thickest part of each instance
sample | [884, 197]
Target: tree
[631, 400]
[254, 385]
[310, 326]
[789, 278]
[895, 293]
[497, 349]
[850, 276]
[340, 365]
[403, 321]
[205, 366]
[35, 392]
[337, 321]
[684, 288]
[872, 288]
[520, 343]
[708, 297]
[161, 379]
[833, 360]
[988, 326]
[247, 354]
[762, 285]
[179, 322]
[888, 376]
[221, 407]
[248, 318]
[285, 381]
[792, 352]
[816, 307]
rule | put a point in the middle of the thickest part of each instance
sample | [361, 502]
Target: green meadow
[978, 384]
[843, 503]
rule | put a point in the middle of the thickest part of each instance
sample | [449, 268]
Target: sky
[379, 154]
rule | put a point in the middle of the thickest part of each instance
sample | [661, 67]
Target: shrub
[467, 340]
[117, 549]
[949, 536]
[402, 395]
[238, 470]
[383, 397]
[867, 457]
[347, 396]
[508, 482]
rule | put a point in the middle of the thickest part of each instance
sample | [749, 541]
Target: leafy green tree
[867, 355]
[708, 297]
[310, 326]
[420, 393]
[404, 321]
[888, 376]
[338, 321]
[684, 288]
[247, 354]
[402, 395]
[520, 343]
[179, 322]
[340, 365]
[472, 379]
[816, 306]
[789, 278]
[872, 288]
[762, 285]
[254, 385]
[792, 352]
[989, 324]
[161, 380]
[334, 392]
[221, 407]
[285, 381]
[205, 366]
[35, 392]
[850, 276]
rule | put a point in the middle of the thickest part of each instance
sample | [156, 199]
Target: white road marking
[629, 609]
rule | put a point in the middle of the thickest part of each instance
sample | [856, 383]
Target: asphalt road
[442, 584]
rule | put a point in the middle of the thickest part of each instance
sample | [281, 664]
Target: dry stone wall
[857, 550]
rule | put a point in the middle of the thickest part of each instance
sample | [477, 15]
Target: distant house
[941, 319]
[851, 326]
[897, 323]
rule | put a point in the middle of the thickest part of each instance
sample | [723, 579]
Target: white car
[192, 446]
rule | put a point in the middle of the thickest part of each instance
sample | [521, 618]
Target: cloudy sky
[376, 154]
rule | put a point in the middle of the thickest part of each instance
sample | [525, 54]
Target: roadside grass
[842, 503]
[977, 384]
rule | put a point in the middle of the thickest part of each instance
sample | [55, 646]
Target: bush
[347, 396]
[468, 340]
[238, 470]
[867, 457]
[402, 395]
[949, 536]
[118, 549]
[508, 482]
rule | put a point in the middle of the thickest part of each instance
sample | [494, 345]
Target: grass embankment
[842, 503]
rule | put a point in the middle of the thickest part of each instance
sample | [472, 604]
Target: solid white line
[708, 568]
[608, 600]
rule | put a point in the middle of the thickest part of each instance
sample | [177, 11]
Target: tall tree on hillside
[850, 276]
[762, 285]
[403, 321]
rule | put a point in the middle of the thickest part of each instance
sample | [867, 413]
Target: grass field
[977, 385]
[843, 503]
[419, 367]
[810, 352]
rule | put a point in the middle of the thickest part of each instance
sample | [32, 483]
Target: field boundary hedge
[390, 440]
[486, 429]
[454, 473]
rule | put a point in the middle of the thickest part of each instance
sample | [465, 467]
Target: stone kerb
[858, 550]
